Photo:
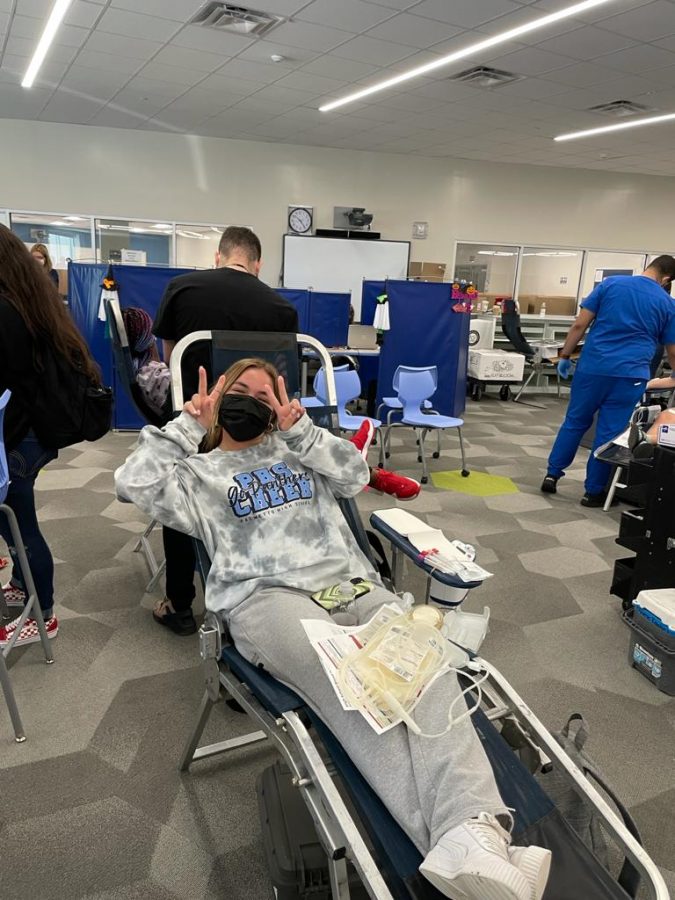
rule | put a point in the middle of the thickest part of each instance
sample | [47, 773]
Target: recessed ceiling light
[471, 50]
[161, 225]
[277, 57]
[622, 126]
[55, 18]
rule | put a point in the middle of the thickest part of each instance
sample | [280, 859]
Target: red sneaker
[397, 485]
[363, 437]
[14, 596]
[29, 633]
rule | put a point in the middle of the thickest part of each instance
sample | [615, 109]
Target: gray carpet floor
[94, 805]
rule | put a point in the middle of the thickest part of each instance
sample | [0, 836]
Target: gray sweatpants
[429, 785]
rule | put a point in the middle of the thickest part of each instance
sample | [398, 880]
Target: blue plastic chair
[32, 605]
[315, 402]
[348, 388]
[393, 403]
[415, 386]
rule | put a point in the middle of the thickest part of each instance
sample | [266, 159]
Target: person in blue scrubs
[630, 315]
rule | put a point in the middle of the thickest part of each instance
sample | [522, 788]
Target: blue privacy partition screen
[322, 314]
[426, 331]
[141, 286]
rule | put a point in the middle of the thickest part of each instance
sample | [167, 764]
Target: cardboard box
[555, 306]
[496, 365]
[427, 271]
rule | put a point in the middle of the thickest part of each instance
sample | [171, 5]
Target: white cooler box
[496, 365]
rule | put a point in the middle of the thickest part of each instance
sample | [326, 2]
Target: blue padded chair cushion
[273, 695]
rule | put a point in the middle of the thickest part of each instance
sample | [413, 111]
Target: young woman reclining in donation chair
[263, 501]
[154, 380]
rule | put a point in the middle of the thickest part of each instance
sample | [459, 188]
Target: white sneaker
[535, 864]
[471, 862]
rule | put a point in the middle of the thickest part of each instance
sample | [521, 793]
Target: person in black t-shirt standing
[227, 298]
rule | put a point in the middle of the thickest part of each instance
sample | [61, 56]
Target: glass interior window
[134, 242]
[602, 263]
[196, 245]
[66, 237]
[491, 268]
[549, 276]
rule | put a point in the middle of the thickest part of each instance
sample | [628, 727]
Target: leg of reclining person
[441, 790]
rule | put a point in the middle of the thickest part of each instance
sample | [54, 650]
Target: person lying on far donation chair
[262, 498]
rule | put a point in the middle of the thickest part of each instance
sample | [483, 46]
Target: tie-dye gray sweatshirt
[267, 515]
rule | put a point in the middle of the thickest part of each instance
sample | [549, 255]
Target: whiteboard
[340, 265]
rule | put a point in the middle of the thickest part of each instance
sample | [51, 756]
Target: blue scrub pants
[613, 399]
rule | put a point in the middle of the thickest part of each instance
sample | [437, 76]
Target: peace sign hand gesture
[287, 411]
[202, 404]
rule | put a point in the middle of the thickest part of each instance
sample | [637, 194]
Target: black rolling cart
[649, 531]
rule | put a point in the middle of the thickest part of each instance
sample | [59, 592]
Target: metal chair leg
[612, 488]
[10, 700]
[465, 471]
[422, 432]
[152, 584]
[188, 753]
[32, 604]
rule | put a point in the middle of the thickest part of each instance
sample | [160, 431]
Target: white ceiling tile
[173, 74]
[132, 24]
[229, 85]
[584, 74]
[173, 55]
[351, 15]
[97, 83]
[130, 102]
[666, 43]
[261, 73]
[176, 10]
[111, 117]
[203, 103]
[125, 46]
[82, 13]
[262, 51]
[369, 50]
[18, 103]
[343, 69]
[37, 8]
[96, 59]
[284, 95]
[533, 88]
[394, 4]
[312, 37]
[302, 81]
[586, 43]
[532, 61]
[70, 108]
[269, 108]
[465, 13]
[648, 23]
[210, 39]
[278, 127]
[24, 47]
[415, 31]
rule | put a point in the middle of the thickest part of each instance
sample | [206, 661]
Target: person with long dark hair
[33, 320]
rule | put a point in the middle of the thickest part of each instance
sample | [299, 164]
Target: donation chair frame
[123, 366]
[227, 673]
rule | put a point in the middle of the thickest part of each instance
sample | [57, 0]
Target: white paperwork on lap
[450, 557]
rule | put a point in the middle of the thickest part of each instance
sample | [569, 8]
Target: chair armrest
[403, 544]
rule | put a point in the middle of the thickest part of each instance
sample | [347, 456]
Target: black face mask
[243, 418]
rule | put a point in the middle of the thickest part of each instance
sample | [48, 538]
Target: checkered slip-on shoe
[29, 633]
[14, 596]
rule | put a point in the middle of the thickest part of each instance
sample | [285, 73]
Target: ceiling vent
[620, 108]
[235, 19]
[485, 77]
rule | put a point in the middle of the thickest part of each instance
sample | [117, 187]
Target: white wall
[541, 275]
[186, 178]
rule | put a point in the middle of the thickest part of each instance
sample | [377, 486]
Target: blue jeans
[613, 399]
[24, 463]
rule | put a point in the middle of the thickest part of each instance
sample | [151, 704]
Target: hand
[202, 404]
[287, 411]
[564, 368]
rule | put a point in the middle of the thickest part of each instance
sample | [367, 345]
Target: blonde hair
[214, 435]
[44, 252]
